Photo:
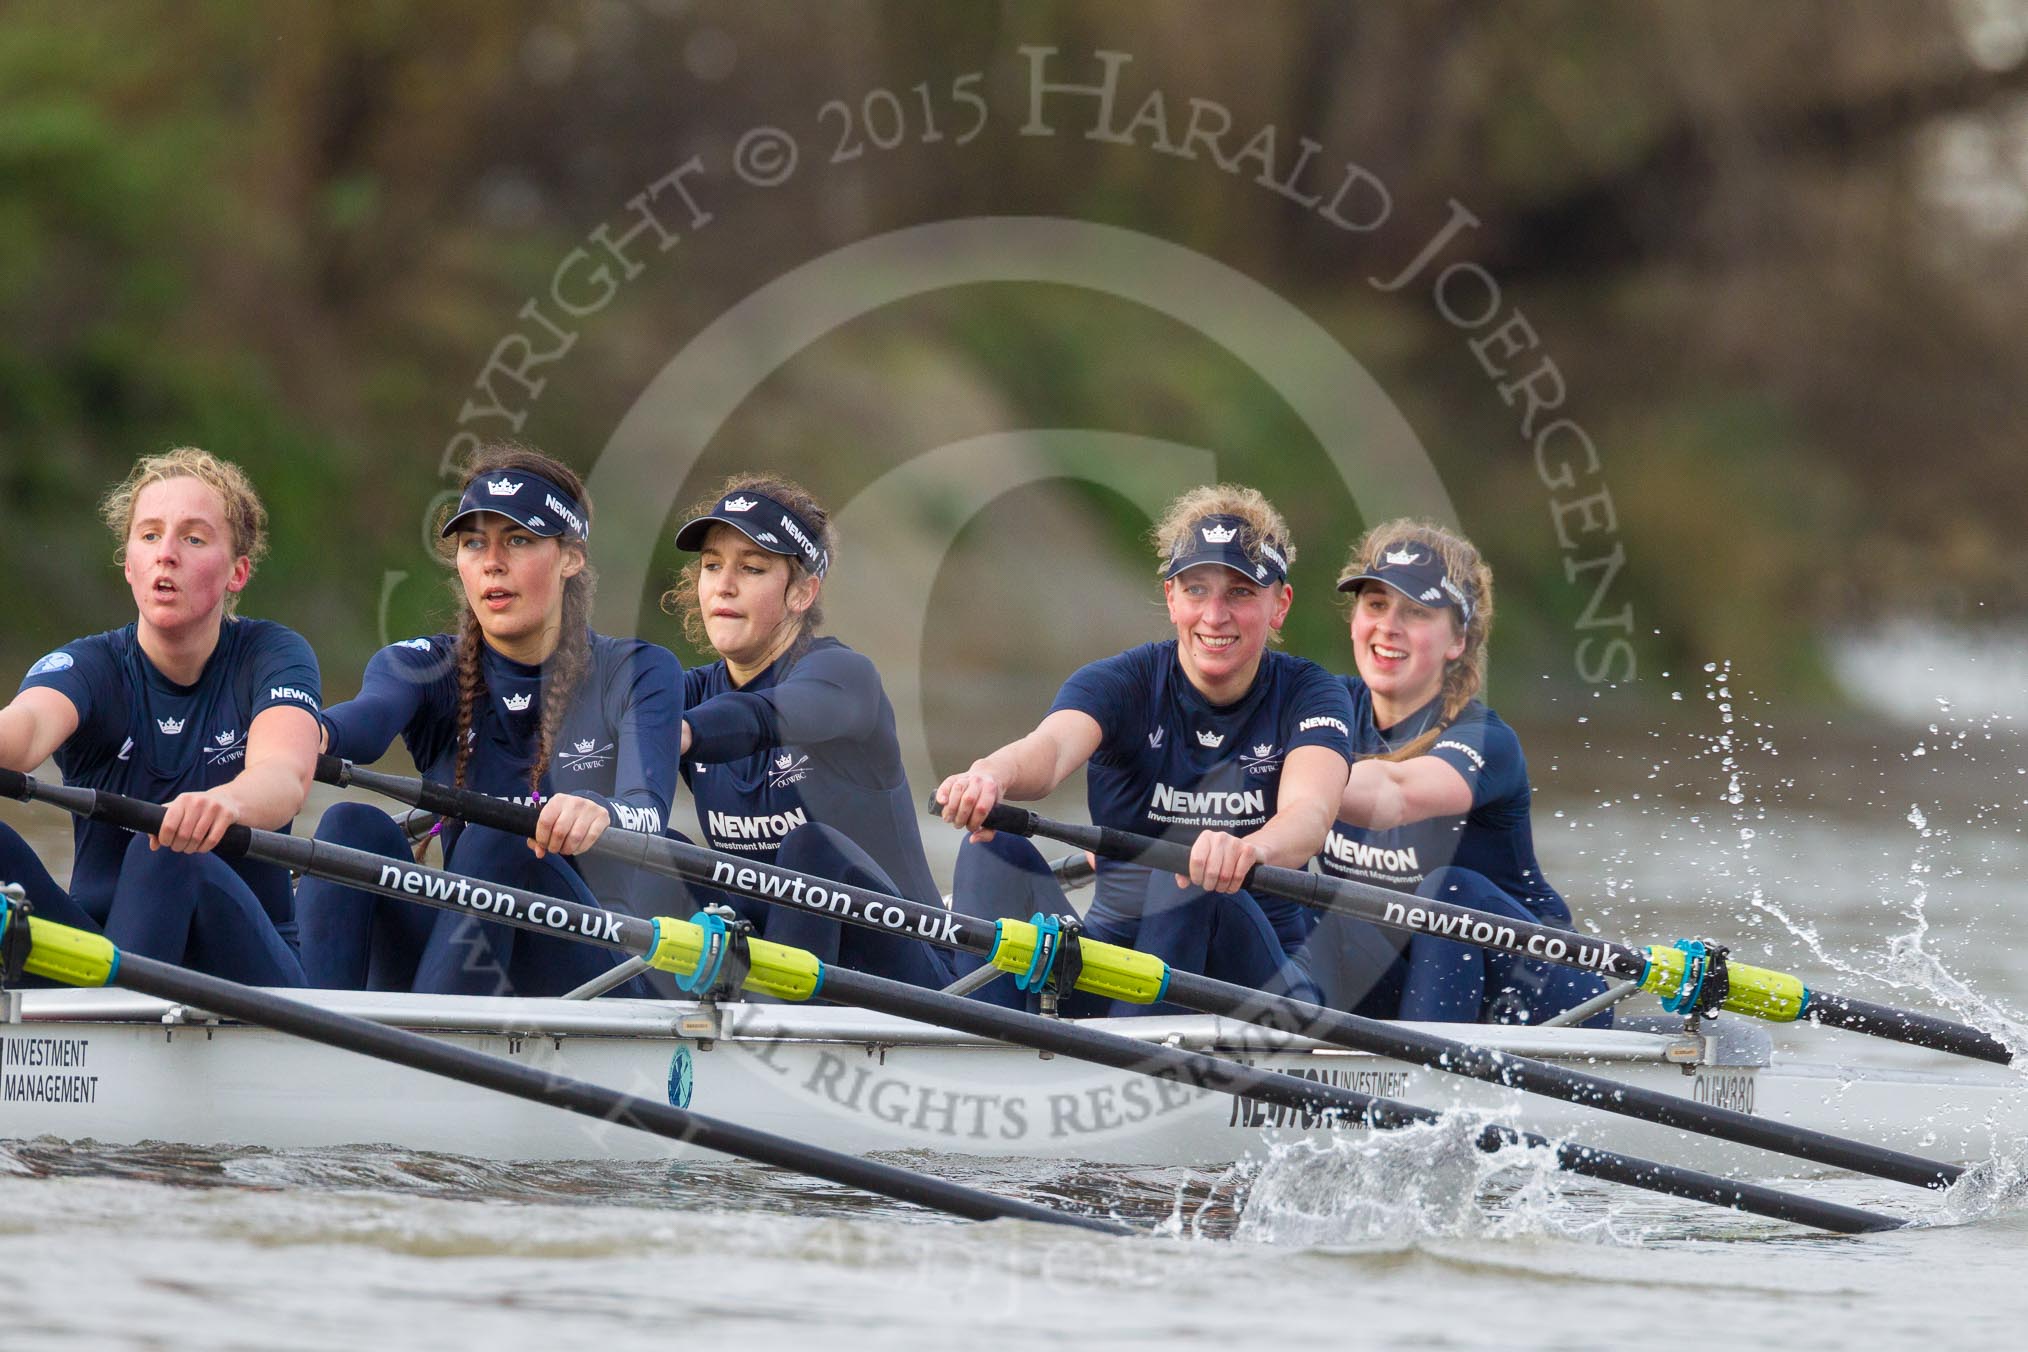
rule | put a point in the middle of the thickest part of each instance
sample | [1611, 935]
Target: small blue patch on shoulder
[680, 1078]
[56, 661]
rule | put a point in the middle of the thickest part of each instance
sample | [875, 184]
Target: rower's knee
[361, 826]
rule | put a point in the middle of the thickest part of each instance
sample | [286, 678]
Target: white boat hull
[117, 1068]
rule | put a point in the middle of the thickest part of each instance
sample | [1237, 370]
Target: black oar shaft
[417, 1052]
[857, 905]
[908, 1001]
[1401, 1043]
[1208, 1072]
[1421, 915]
[895, 914]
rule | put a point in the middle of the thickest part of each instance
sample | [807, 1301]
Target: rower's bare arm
[32, 727]
[1381, 794]
[1313, 780]
[281, 761]
[1026, 769]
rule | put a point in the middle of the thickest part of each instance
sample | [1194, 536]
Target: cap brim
[691, 537]
[451, 526]
[1186, 565]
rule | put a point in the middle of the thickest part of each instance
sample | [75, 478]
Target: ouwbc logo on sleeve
[586, 753]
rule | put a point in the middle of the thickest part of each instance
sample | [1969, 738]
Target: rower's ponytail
[566, 667]
[1464, 676]
[471, 689]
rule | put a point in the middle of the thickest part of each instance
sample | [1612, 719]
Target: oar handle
[475, 809]
[130, 814]
[1105, 841]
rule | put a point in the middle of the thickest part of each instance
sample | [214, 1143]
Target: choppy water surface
[1892, 869]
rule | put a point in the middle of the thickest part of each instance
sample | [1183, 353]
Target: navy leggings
[825, 852]
[188, 909]
[1222, 935]
[356, 940]
[1386, 974]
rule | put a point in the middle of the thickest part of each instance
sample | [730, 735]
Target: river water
[1888, 864]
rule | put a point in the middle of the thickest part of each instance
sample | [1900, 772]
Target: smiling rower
[789, 744]
[190, 706]
[524, 702]
[1437, 801]
[1211, 737]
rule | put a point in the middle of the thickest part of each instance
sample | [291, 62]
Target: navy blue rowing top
[1493, 838]
[141, 734]
[1174, 765]
[616, 744]
[810, 739]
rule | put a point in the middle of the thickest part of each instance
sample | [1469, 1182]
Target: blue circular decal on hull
[680, 1078]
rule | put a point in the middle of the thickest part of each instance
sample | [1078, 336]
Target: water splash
[1397, 1189]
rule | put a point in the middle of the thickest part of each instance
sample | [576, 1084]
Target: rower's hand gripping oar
[1684, 975]
[1034, 954]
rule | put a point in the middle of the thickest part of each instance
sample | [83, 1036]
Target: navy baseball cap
[529, 500]
[767, 523]
[1417, 572]
[1220, 539]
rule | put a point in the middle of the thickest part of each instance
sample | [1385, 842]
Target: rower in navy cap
[1437, 802]
[1211, 737]
[524, 702]
[789, 743]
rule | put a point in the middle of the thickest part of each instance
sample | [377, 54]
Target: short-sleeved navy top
[141, 734]
[1493, 837]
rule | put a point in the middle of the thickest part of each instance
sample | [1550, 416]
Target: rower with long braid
[526, 702]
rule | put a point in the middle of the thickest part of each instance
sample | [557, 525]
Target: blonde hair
[1250, 505]
[681, 599]
[1464, 676]
[245, 518]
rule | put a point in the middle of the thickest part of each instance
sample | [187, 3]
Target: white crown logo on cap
[739, 504]
[1406, 556]
[1219, 535]
[503, 487]
[516, 703]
